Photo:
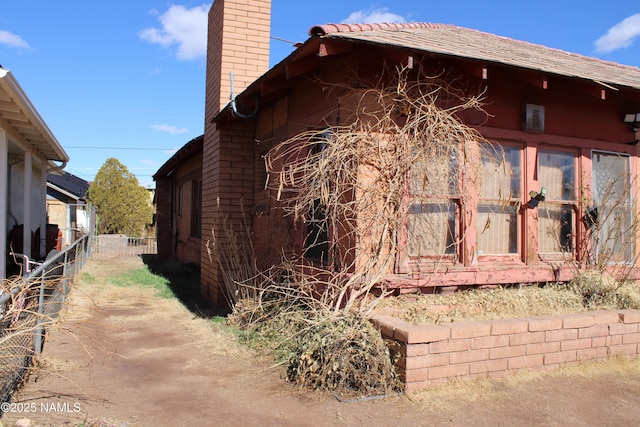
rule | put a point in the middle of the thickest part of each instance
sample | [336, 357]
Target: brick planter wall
[431, 354]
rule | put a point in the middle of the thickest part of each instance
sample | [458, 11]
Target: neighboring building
[558, 118]
[28, 153]
[179, 204]
[67, 209]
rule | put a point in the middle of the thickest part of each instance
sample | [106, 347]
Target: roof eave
[19, 97]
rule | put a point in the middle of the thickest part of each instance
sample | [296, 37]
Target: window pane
[500, 174]
[436, 174]
[497, 220]
[610, 177]
[555, 228]
[432, 229]
[612, 197]
[317, 238]
[557, 174]
[497, 229]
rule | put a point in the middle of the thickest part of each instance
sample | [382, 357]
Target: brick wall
[238, 41]
[430, 354]
[227, 190]
[163, 216]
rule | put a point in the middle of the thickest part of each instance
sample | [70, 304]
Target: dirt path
[124, 357]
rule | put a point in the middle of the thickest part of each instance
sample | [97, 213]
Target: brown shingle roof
[467, 43]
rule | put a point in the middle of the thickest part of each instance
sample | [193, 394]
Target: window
[556, 216]
[317, 231]
[611, 184]
[499, 201]
[196, 208]
[179, 201]
[434, 192]
[317, 238]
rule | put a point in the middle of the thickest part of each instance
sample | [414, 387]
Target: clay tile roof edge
[323, 30]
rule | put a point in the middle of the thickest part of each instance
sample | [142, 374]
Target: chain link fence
[29, 304]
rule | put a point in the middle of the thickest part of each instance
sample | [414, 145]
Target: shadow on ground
[184, 281]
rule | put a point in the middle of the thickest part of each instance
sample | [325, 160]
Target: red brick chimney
[239, 32]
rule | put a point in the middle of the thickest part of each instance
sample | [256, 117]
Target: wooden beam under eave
[303, 66]
[473, 69]
[402, 58]
[272, 89]
[14, 116]
[595, 89]
[8, 106]
[535, 79]
[329, 47]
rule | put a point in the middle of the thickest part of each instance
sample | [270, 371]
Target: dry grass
[588, 291]
[454, 393]
[340, 352]
[321, 349]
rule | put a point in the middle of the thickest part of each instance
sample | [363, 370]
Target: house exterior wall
[26, 205]
[26, 148]
[579, 119]
[164, 216]
[178, 207]
[227, 193]
[188, 180]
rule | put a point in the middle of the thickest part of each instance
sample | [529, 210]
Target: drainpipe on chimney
[234, 107]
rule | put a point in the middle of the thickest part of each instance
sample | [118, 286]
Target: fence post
[64, 276]
[40, 328]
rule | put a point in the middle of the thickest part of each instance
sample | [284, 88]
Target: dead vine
[349, 182]
[346, 185]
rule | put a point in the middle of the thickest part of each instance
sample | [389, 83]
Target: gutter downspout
[234, 107]
[57, 168]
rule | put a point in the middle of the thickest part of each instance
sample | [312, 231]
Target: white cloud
[620, 35]
[169, 129]
[181, 27]
[373, 16]
[13, 40]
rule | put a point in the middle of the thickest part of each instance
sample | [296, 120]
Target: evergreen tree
[122, 204]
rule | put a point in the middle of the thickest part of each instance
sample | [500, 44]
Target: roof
[24, 120]
[187, 151]
[467, 43]
[68, 184]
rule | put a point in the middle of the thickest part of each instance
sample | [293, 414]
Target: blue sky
[125, 79]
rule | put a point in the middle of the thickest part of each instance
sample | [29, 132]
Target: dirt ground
[124, 357]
